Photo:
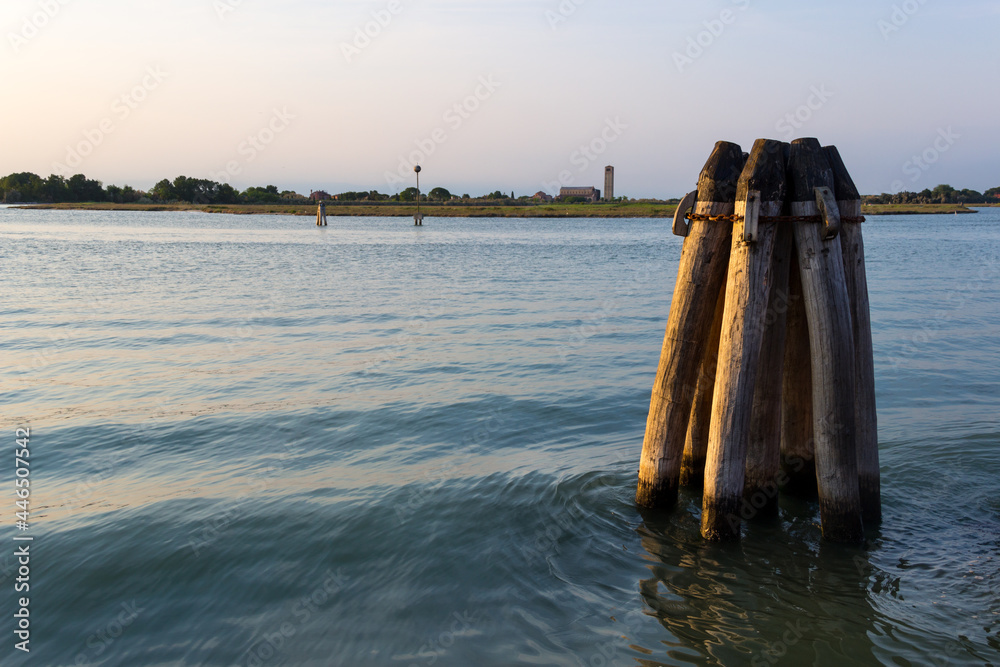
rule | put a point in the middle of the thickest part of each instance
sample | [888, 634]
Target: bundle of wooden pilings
[766, 380]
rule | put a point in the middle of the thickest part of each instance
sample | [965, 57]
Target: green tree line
[28, 187]
[942, 194]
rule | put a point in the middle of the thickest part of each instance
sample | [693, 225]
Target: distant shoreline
[554, 210]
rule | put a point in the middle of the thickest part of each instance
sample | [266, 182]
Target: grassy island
[542, 210]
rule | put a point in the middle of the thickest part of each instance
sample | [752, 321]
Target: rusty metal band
[698, 217]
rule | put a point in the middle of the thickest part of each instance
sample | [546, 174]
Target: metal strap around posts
[772, 218]
[681, 226]
[830, 212]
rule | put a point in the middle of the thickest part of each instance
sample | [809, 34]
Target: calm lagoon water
[256, 442]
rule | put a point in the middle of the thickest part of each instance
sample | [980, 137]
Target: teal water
[256, 442]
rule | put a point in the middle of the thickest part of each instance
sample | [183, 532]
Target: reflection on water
[781, 594]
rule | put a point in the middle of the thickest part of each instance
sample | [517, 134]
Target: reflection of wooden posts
[321, 215]
[761, 193]
[866, 421]
[704, 256]
[776, 356]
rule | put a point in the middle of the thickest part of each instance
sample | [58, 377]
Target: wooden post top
[764, 172]
[721, 174]
[808, 169]
[843, 183]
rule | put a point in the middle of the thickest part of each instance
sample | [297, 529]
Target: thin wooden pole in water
[696, 444]
[321, 215]
[761, 193]
[828, 310]
[418, 219]
[760, 490]
[798, 455]
[852, 243]
[704, 258]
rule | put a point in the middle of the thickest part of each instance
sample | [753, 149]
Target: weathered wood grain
[831, 339]
[853, 246]
[702, 272]
[760, 490]
[696, 444]
[747, 294]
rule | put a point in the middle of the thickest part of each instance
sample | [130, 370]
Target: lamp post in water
[418, 219]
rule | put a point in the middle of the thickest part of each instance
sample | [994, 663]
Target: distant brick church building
[592, 194]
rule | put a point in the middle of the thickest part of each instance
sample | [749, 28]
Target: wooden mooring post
[866, 421]
[704, 261]
[763, 476]
[696, 444]
[321, 215]
[766, 377]
[761, 193]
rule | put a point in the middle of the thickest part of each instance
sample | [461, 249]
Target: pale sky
[132, 91]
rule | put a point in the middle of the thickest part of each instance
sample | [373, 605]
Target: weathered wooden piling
[696, 444]
[704, 260]
[760, 490]
[766, 374]
[798, 454]
[866, 424]
[321, 215]
[761, 193]
[831, 339]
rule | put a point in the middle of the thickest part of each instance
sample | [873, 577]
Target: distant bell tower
[609, 183]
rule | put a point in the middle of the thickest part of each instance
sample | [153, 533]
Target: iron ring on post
[830, 212]
[681, 226]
